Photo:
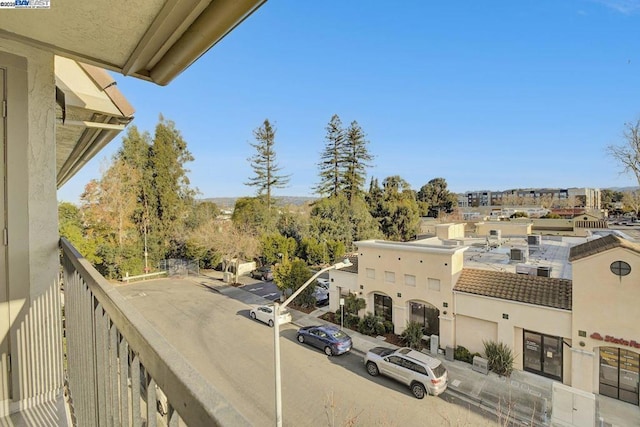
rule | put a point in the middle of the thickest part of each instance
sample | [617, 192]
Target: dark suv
[262, 273]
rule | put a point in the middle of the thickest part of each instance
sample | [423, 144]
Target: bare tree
[632, 200]
[232, 242]
[628, 154]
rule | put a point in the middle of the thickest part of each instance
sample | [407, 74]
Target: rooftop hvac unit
[534, 239]
[544, 271]
[526, 269]
[517, 255]
[495, 233]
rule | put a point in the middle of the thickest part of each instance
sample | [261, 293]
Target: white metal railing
[120, 370]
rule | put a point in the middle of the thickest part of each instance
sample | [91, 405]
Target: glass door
[552, 356]
[620, 374]
[543, 354]
[532, 349]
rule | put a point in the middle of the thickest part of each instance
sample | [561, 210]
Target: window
[390, 276]
[427, 315]
[409, 280]
[434, 284]
[543, 354]
[620, 268]
[382, 306]
[395, 360]
[371, 273]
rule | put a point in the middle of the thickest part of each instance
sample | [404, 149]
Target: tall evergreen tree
[173, 196]
[435, 198]
[395, 208]
[356, 160]
[266, 171]
[332, 159]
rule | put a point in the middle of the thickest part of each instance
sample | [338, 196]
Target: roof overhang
[153, 40]
[90, 112]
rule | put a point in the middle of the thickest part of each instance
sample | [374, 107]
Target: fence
[180, 267]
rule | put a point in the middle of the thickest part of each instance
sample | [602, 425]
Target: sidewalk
[522, 399]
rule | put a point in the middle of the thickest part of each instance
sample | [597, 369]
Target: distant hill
[622, 189]
[230, 202]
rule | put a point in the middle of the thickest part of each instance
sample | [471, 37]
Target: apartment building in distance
[587, 198]
[566, 306]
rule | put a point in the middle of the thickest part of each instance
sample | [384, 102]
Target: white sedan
[264, 313]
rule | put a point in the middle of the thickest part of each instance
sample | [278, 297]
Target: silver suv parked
[423, 374]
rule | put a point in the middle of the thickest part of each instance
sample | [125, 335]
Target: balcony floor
[53, 413]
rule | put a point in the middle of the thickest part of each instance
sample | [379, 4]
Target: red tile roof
[601, 244]
[543, 291]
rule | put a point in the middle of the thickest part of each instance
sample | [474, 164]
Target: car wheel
[372, 369]
[300, 338]
[418, 390]
[328, 351]
[271, 323]
[253, 315]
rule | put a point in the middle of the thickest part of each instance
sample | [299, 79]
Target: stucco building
[566, 306]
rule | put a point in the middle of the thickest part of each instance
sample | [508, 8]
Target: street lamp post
[276, 331]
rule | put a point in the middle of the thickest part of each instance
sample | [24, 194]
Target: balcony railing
[120, 370]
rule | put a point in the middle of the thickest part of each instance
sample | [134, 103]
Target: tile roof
[601, 244]
[354, 261]
[544, 291]
[353, 268]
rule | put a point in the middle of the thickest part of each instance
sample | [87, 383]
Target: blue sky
[486, 94]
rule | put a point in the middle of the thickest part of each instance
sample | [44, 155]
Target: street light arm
[276, 333]
[336, 266]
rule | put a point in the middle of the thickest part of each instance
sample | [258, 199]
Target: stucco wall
[507, 228]
[34, 301]
[606, 304]
[471, 332]
[521, 317]
[412, 265]
[450, 231]
[341, 282]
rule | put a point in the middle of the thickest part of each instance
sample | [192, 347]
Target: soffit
[92, 113]
[149, 39]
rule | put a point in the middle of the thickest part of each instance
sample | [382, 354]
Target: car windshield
[338, 334]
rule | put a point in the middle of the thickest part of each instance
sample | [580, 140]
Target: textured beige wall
[548, 321]
[471, 332]
[450, 231]
[346, 281]
[606, 304]
[35, 319]
[508, 228]
[423, 262]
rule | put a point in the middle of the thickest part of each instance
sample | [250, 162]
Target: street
[267, 290]
[233, 352]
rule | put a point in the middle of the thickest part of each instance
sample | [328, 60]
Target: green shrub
[412, 335]
[371, 324]
[461, 353]
[388, 326]
[499, 356]
[349, 320]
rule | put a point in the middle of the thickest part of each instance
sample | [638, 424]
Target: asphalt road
[233, 352]
[267, 290]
